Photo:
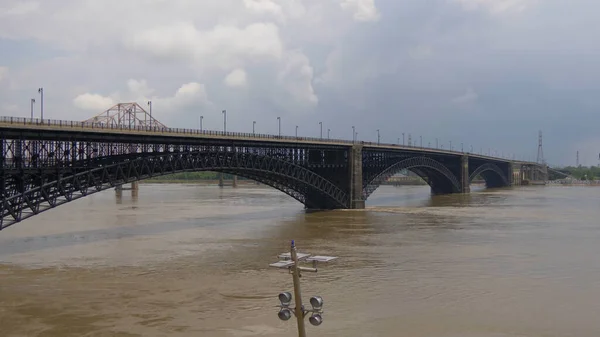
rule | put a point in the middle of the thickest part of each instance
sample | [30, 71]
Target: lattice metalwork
[126, 114]
[489, 167]
[428, 169]
[38, 175]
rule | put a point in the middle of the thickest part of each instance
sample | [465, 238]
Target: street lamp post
[450, 145]
[462, 147]
[291, 262]
[296, 131]
[32, 104]
[279, 122]
[253, 124]
[353, 134]
[321, 125]
[378, 137]
[403, 139]
[421, 141]
[150, 107]
[436, 143]
[328, 130]
[224, 121]
[201, 118]
[41, 92]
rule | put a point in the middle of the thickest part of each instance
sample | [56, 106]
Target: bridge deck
[84, 127]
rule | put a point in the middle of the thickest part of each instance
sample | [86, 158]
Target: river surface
[192, 260]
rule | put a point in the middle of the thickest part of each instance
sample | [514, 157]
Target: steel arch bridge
[45, 164]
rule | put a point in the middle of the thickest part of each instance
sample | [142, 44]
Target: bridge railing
[183, 131]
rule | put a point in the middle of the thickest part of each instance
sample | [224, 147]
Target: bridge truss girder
[38, 175]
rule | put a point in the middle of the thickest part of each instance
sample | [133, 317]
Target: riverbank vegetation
[582, 172]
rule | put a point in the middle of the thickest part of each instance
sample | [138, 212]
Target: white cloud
[497, 6]
[93, 102]
[236, 78]
[264, 7]
[224, 46]
[139, 88]
[364, 10]
[188, 94]
[296, 76]
[469, 96]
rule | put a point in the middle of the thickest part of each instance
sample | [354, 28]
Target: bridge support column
[135, 186]
[356, 178]
[221, 184]
[235, 182]
[464, 174]
[515, 176]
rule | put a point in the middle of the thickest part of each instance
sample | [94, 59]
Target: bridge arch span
[38, 193]
[492, 174]
[438, 176]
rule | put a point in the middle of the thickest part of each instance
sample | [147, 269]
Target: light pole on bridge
[403, 139]
[32, 104]
[421, 141]
[450, 145]
[378, 137]
[328, 130]
[353, 134]
[41, 92]
[398, 141]
[224, 121]
[461, 147]
[321, 125]
[436, 143]
[296, 131]
[150, 107]
[253, 125]
[279, 122]
[201, 118]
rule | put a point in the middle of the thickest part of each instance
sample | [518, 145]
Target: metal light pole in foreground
[224, 121]
[290, 261]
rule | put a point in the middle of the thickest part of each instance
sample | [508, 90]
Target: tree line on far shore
[582, 172]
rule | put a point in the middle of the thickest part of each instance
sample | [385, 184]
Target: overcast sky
[487, 73]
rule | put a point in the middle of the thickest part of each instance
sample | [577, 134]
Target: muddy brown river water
[192, 260]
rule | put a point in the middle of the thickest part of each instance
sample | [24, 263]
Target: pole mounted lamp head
[285, 298]
[284, 314]
[315, 319]
[316, 302]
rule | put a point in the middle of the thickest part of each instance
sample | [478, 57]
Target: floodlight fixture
[315, 319]
[291, 261]
[285, 298]
[284, 314]
[316, 302]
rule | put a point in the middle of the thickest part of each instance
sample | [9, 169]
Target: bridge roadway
[46, 164]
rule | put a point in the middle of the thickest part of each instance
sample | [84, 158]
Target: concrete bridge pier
[464, 174]
[356, 178]
[221, 184]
